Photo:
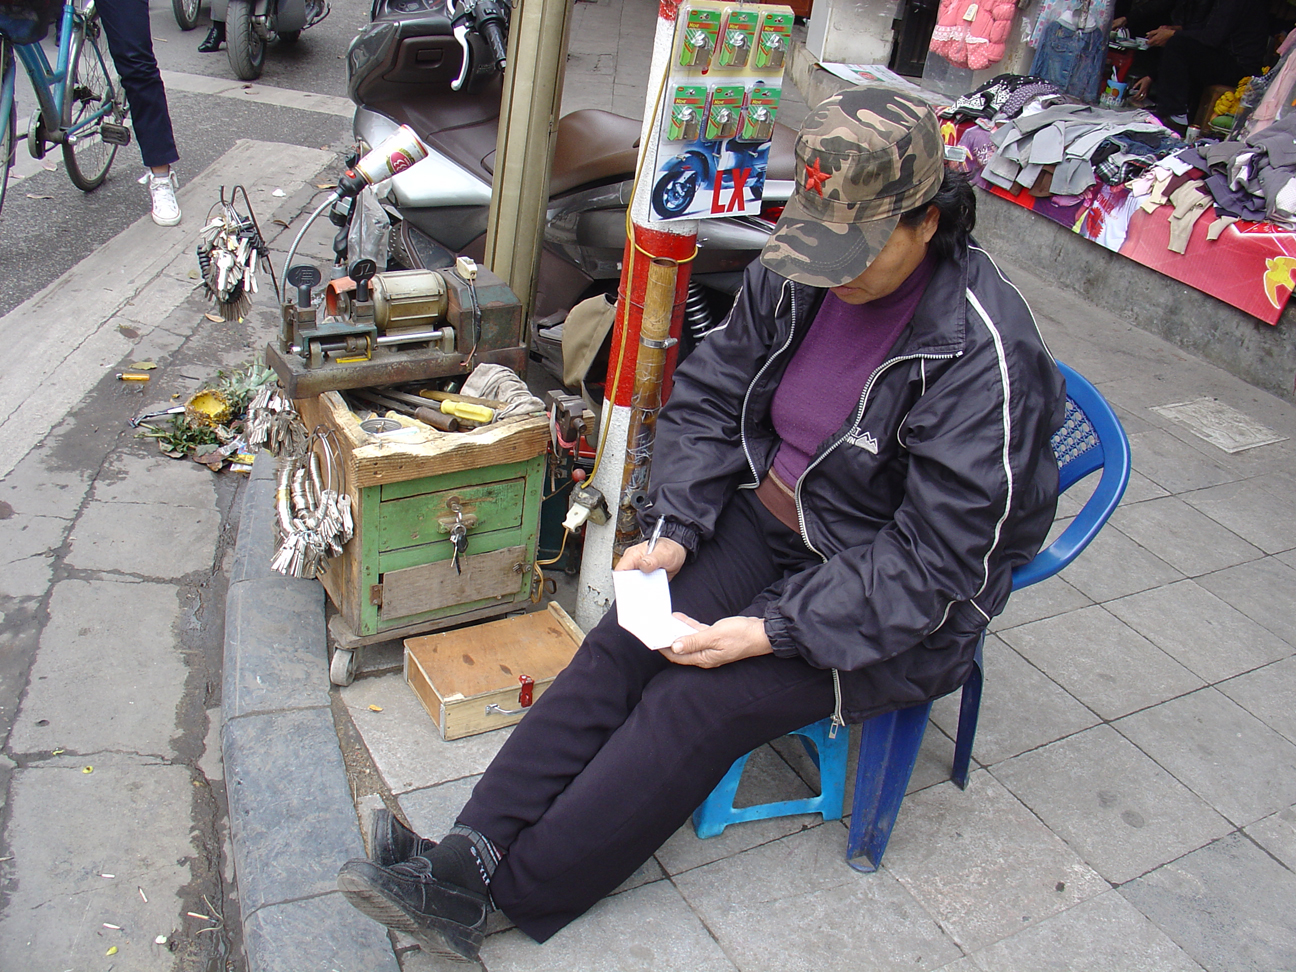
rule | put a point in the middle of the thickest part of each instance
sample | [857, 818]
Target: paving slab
[153, 541]
[1263, 590]
[1184, 538]
[154, 480]
[291, 816]
[42, 484]
[57, 861]
[1021, 707]
[28, 545]
[1103, 934]
[650, 927]
[982, 864]
[322, 932]
[1257, 510]
[108, 674]
[1120, 811]
[1047, 599]
[1220, 751]
[1277, 835]
[1267, 693]
[1227, 905]
[1174, 465]
[796, 906]
[258, 525]
[766, 778]
[1113, 565]
[404, 742]
[1104, 663]
[1199, 630]
[280, 622]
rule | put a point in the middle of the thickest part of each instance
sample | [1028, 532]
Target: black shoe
[214, 39]
[443, 918]
[391, 842]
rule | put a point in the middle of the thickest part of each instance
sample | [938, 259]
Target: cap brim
[812, 251]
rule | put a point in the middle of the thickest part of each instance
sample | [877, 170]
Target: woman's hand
[728, 640]
[667, 555]
[1158, 37]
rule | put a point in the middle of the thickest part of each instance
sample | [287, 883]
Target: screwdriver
[460, 408]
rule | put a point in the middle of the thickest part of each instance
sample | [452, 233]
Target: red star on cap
[815, 178]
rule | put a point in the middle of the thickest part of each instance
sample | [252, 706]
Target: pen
[652, 542]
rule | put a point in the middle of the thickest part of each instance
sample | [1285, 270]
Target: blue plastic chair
[1090, 439]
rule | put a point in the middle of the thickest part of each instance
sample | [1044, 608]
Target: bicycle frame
[50, 82]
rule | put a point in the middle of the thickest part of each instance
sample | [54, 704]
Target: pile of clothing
[1253, 178]
[1066, 148]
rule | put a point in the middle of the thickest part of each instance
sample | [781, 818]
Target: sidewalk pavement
[1132, 805]
[1132, 802]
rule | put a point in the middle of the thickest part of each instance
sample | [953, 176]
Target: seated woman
[847, 471]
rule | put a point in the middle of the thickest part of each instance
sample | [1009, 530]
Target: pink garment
[949, 38]
[987, 36]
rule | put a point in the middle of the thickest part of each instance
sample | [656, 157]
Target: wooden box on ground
[396, 576]
[469, 679]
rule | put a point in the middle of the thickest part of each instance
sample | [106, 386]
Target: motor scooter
[437, 68]
[250, 25]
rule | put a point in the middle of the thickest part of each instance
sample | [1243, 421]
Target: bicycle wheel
[9, 124]
[246, 48]
[89, 93]
[186, 13]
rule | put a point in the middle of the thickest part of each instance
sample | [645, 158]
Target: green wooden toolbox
[396, 576]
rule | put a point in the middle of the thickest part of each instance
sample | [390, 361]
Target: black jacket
[921, 503]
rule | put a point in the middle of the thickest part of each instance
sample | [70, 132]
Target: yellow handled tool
[468, 411]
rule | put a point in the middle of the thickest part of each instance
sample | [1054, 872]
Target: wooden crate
[396, 575]
[468, 679]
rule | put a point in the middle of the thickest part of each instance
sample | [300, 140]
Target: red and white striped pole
[674, 240]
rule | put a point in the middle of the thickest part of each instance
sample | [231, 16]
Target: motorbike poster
[717, 113]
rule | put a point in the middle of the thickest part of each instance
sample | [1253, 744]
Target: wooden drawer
[427, 517]
[467, 679]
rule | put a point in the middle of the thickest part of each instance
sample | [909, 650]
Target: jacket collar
[939, 324]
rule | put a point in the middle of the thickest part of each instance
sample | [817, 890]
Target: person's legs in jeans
[126, 27]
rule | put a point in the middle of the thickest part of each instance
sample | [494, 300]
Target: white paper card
[643, 605]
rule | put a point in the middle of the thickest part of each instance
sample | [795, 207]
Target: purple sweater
[824, 379]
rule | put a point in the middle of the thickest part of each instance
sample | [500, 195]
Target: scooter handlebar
[495, 37]
[461, 35]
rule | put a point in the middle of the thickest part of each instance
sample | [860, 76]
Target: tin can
[1192, 134]
[394, 154]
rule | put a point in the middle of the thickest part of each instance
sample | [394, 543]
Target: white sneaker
[166, 211]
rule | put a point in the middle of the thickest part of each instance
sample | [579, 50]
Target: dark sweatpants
[1187, 68]
[624, 744]
[130, 41]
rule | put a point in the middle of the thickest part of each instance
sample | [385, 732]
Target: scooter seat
[592, 146]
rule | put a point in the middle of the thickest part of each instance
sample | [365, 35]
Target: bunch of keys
[273, 424]
[314, 521]
[229, 247]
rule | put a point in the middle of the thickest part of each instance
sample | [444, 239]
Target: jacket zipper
[742, 418]
[837, 720]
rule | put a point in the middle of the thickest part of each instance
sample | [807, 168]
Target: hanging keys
[459, 541]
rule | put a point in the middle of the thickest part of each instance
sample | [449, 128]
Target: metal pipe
[646, 399]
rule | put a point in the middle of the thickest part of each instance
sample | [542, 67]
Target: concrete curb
[292, 821]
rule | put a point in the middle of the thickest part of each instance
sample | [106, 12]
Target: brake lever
[462, 15]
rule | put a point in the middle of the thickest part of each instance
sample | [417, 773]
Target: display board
[717, 109]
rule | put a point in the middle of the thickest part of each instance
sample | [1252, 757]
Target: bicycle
[78, 93]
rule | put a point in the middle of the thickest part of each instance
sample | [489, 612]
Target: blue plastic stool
[829, 754]
[1090, 439]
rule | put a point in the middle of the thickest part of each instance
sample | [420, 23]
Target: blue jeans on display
[130, 41]
[1071, 59]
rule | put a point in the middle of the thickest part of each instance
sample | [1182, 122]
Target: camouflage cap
[863, 157]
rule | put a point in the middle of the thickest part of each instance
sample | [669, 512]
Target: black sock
[464, 858]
